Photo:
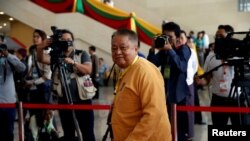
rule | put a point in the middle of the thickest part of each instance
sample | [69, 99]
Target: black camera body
[160, 40]
[227, 48]
[58, 47]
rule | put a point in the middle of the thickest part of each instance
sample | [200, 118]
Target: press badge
[223, 84]
[167, 72]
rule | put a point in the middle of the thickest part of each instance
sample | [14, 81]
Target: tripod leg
[235, 100]
[232, 91]
[246, 96]
[65, 83]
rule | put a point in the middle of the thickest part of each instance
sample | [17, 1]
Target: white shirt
[44, 68]
[192, 67]
[206, 40]
[221, 78]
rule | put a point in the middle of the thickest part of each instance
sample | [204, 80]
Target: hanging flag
[74, 6]
[132, 22]
[79, 6]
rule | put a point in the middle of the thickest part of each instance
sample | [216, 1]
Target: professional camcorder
[227, 48]
[58, 47]
[160, 40]
[236, 53]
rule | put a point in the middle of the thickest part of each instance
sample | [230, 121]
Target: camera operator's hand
[29, 83]
[200, 81]
[47, 42]
[69, 61]
[167, 46]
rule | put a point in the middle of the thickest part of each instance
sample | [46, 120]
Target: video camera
[58, 47]
[160, 40]
[236, 53]
[228, 48]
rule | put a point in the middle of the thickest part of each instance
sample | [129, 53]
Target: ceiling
[5, 23]
[5, 27]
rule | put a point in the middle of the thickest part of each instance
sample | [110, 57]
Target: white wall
[190, 14]
[86, 30]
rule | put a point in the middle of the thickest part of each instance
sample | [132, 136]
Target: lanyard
[122, 74]
[224, 68]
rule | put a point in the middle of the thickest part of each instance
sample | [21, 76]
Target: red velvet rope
[58, 106]
[107, 107]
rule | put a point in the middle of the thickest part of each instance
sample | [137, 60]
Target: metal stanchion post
[173, 122]
[20, 121]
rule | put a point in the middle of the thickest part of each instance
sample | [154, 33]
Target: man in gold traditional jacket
[139, 110]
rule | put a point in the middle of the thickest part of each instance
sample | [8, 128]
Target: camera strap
[106, 81]
[34, 59]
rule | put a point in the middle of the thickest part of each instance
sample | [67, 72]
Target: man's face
[172, 37]
[90, 51]
[183, 39]
[123, 50]
[220, 33]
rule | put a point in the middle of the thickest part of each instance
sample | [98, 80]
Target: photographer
[220, 80]
[85, 118]
[173, 58]
[8, 92]
[39, 74]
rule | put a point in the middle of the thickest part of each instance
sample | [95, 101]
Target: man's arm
[83, 64]
[96, 66]
[152, 96]
[154, 58]
[41, 56]
[180, 60]
[16, 63]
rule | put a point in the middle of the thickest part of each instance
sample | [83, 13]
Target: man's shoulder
[185, 49]
[146, 65]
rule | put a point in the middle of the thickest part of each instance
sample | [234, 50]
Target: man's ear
[136, 48]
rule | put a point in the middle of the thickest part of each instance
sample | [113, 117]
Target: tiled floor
[106, 96]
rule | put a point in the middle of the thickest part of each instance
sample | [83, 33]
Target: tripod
[240, 87]
[65, 81]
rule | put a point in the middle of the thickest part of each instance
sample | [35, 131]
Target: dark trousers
[40, 95]
[185, 119]
[222, 118]
[23, 96]
[85, 119]
[96, 84]
[197, 115]
[7, 119]
[190, 114]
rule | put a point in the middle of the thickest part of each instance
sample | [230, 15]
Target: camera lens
[160, 41]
